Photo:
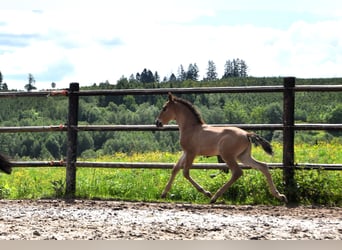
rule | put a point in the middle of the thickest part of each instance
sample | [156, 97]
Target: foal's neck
[186, 119]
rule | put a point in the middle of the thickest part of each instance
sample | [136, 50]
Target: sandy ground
[84, 219]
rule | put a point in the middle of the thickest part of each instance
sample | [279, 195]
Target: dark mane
[192, 109]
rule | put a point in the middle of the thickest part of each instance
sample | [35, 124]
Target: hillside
[215, 108]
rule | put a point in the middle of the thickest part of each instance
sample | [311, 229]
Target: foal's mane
[192, 109]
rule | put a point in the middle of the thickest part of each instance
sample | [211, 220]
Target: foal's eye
[164, 109]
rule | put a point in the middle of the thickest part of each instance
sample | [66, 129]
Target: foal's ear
[171, 97]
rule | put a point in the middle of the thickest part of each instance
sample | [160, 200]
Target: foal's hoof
[208, 194]
[213, 200]
[283, 198]
[163, 196]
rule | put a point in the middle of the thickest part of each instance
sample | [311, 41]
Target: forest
[225, 108]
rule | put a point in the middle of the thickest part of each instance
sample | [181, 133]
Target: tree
[3, 85]
[53, 85]
[31, 82]
[243, 69]
[52, 146]
[147, 76]
[129, 102]
[138, 76]
[122, 83]
[267, 114]
[211, 71]
[228, 69]
[156, 77]
[235, 68]
[85, 142]
[335, 116]
[132, 79]
[181, 73]
[192, 73]
[172, 78]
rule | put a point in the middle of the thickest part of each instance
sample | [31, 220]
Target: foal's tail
[252, 137]
[5, 164]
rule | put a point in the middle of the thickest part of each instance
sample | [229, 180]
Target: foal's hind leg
[247, 159]
[236, 174]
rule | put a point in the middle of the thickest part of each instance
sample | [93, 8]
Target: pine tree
[235, 68]
[156, 77]
[132, 79]
[211, 71]
[31, 82]
[138, 76]
[244, 68]
[228, 69]
[172, 78]
[147, 76]
[192, 73]
[181, 74]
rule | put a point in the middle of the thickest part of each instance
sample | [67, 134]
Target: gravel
[92, 220]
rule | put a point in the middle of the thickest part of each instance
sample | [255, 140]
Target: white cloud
[103, 43]
[309, 48]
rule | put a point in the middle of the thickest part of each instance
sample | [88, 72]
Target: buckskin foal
[197, 138]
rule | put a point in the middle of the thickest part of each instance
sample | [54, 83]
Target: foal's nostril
[159, 123]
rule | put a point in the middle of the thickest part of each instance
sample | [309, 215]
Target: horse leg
[247, 159]
[174, 172]
[186, 173]
[236, 174]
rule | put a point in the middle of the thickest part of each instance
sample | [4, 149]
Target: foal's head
[167, 113]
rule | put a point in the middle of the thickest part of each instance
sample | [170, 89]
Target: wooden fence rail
[154, 165]
[56, 128]
[72, 128]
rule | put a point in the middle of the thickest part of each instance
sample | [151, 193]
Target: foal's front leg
[174, 172]
[186, 172]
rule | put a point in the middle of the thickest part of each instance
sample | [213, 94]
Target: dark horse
[5, 164]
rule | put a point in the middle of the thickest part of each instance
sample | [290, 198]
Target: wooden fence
[72, 128]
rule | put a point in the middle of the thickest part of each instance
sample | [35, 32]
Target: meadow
[313, 186]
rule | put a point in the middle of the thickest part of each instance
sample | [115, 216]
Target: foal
[198, 138]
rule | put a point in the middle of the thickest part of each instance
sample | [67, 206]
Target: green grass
[314, 186]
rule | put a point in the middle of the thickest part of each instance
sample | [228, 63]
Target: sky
[95, 41]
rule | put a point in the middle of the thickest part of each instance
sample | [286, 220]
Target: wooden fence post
[288, 139]
[72, 142]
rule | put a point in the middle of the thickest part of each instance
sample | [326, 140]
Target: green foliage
[59, 188]
[319, 187]
[215, 108]
[4, 191]
[314, 186]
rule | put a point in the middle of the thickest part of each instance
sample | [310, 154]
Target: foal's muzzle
[159, 124]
